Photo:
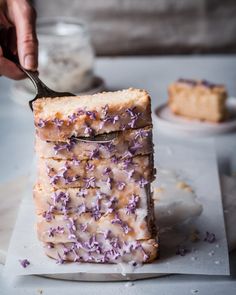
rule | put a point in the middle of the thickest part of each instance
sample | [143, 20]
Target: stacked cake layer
[92, 196]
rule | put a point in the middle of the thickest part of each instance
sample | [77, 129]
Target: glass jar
[66, 57]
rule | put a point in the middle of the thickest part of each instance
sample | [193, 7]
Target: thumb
[27, 44]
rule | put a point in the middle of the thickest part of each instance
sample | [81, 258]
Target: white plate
[177, 125]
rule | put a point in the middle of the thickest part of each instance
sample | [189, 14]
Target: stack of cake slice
[92, 196]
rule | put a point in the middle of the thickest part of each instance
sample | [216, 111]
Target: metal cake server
[44, 91]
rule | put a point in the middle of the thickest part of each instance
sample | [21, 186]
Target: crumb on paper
[194, 236]
[194, 291]
[184, 186]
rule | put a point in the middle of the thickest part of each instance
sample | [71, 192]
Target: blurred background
[149, 27]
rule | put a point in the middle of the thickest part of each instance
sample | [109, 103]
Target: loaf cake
[92, 197]
[200, 100]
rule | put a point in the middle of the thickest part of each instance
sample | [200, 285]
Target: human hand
[18, 33]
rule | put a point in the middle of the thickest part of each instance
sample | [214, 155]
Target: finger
[10, 70]
[27, 45]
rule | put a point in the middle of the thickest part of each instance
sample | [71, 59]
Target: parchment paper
[197, 166]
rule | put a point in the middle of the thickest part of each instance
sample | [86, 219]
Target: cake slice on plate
[200, 100]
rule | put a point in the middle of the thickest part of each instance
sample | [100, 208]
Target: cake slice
[127, 143]
[198, 100]
[113, 251]
[95, 173]
[57, 119]
[73, 200]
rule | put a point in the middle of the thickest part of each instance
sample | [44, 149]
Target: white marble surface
[154, 74]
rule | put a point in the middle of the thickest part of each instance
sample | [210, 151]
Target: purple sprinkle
[92, 115]
[41, 123]
[181, 250]
[24, 262]
[132, 204]
[210, 237]
[120, 185]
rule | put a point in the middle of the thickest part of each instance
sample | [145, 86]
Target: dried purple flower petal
[142, 182]
[41, 123]
[75, 161]
[114, 160]
[107, 171]
[90, 182]
[130, 174]
[95, 213]
[92, 115]
[89, 166]
[72, 118]
[88, 130]
[120, 185]
[24, 262]
[80, 112]
[105, 110]
[133, 116]
[187, 81]
[94, 154]
[132, 204]
[124, 226]
[60, 260]
[81, 209]
[109, 146]
[82, 193]
[210, 237]
[181, 250]
[140, 133]
[83, 227]
[109, 182]
[58, 122]
[135, 147]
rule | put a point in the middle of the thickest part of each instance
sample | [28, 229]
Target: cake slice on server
[93, 199]
[57, 119]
